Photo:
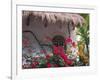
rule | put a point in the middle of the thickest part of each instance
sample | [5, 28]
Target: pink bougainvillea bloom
[55, 50]
[49, 65]
[36, 63]
[64, 56]
[73, 44]
[33, 66]
[47, 56]
[69, 62]
[59, 50]
[69, 40]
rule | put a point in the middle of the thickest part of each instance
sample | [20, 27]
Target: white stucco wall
[37, 27]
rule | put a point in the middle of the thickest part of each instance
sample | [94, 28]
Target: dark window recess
[58, 40]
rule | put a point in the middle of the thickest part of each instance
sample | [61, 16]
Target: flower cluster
[59, 57]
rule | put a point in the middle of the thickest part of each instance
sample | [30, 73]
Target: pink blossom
[59, 50]
[55, 50]
[49, 65]
[47, 56]
[68, 40]
[73, 44]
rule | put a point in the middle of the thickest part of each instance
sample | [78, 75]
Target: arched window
[58, 40]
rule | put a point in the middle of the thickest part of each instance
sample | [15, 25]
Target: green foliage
[42, 63]
[83, 31]
[55, 59]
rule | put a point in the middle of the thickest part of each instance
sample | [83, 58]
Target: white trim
[37, 73]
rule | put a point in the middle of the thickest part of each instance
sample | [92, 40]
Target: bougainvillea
[59, 57]
[59, 50]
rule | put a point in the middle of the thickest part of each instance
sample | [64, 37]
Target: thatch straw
[53, 17]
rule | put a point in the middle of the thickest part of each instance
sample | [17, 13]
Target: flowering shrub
[58, 58]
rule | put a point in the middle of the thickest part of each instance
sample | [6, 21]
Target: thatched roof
[53, 17]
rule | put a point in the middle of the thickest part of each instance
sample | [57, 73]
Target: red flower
[65, 58]
[36, 63]
[55, 50]
[69, 62]
[33, 65]
[49, 65]
[68, 40]
[73, 44]
[47, 56]
[59, 50]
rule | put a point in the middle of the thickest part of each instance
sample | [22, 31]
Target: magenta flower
[55, 50]
[69, 40]
[48, 56]
[65, 58]
[73, 44]
[49, 65]
[59, 50]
